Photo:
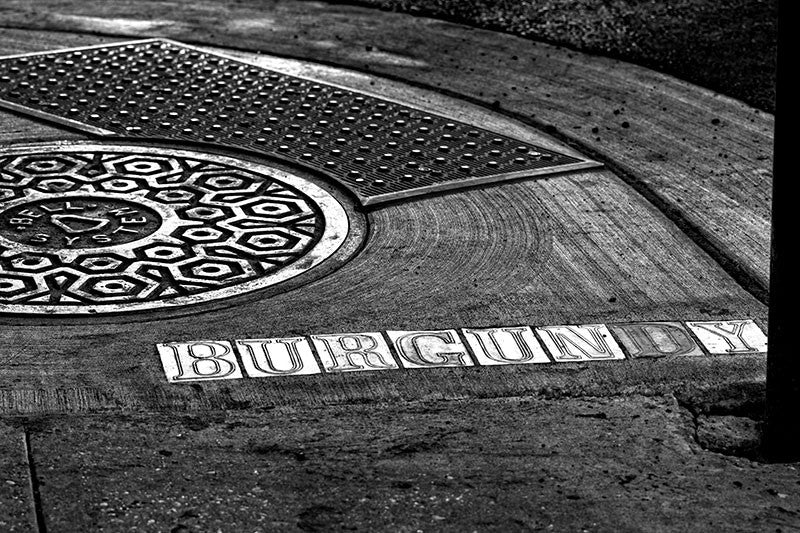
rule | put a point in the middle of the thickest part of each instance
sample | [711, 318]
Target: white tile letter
[429, 349]
[505, 346]
[590, 342]
[198, 361]
[353, 352]
[730, 336]
[290, 356]
[656, 339]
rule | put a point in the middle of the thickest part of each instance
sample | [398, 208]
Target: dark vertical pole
[782, 429]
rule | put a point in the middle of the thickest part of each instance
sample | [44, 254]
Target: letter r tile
[198, 361]
[589, 342]
[730, 336]
[353, 352]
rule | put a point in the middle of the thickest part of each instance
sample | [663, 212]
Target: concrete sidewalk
[97, 434]
[625, 463]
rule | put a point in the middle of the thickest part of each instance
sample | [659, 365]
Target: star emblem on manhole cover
[89, 228]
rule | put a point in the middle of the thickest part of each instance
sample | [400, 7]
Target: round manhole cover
[89, 228]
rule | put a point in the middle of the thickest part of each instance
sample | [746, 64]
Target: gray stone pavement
[629, 463]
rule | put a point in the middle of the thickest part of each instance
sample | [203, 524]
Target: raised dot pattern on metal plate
[107, 228]
[379, 149]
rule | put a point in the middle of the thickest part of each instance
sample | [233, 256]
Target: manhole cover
[379, 149]
[107, 228]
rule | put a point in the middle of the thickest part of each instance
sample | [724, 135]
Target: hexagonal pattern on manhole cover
[379, 149]
[88, 228]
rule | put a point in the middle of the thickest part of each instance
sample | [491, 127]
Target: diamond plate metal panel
[379, 149]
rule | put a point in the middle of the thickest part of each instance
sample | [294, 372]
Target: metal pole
[782, 427]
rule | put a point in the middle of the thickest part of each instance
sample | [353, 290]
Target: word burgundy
[352, 352]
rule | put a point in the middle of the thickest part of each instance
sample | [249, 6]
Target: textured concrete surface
[702, 159]
[536, 252]
[676, 228]
[16, 501]
[592, 464]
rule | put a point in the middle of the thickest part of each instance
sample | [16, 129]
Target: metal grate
[380, 150]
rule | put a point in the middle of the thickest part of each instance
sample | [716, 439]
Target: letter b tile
[198, 361]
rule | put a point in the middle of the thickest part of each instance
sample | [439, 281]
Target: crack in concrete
[691, 410]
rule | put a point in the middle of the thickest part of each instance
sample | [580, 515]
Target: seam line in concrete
[741, 275]
[33, 480]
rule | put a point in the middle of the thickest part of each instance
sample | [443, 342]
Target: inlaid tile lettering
[730, 336]
[591, 342]
[656, 339]
[353, 352]
[289, 356]
[198, 361]
[505, 346]
[428, 349]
